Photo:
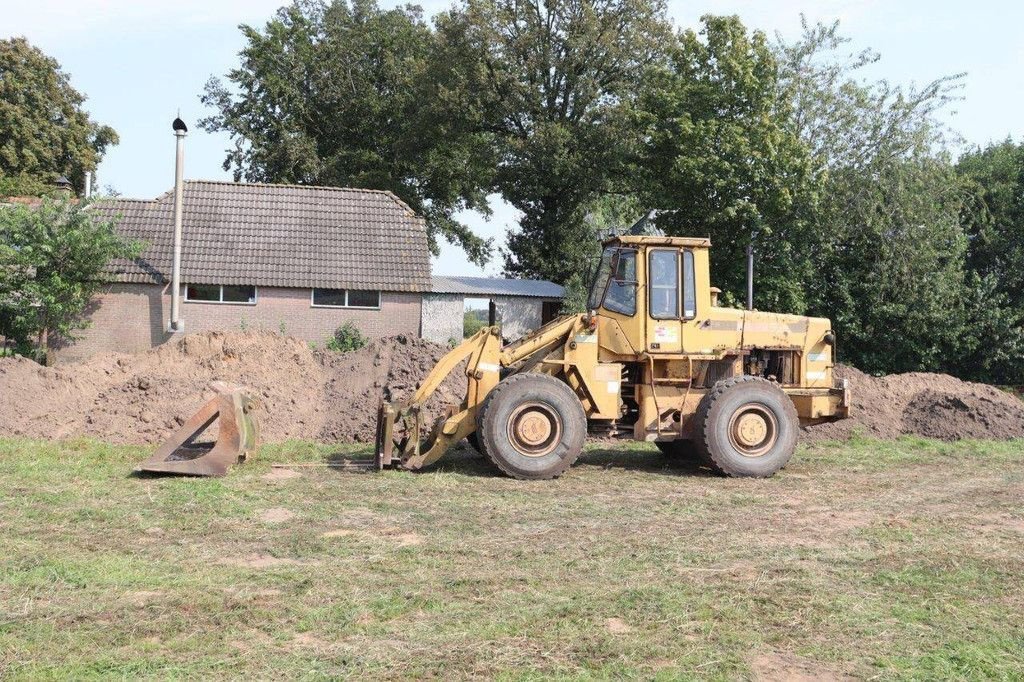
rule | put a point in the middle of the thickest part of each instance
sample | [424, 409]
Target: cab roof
[645, 240]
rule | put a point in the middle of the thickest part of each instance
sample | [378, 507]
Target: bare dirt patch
[617, 626]
[276, 515]
[258, 561]
[931, 405]
[278, 474]
[779, 667]
[306, 394]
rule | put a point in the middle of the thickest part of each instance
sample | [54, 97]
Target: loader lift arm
[484, 357]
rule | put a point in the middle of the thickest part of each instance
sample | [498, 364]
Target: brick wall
[133, 317]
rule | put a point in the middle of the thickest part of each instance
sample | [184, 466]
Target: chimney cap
[179, 126]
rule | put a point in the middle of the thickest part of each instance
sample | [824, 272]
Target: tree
[993, 219]
[52, 259]
[889, 269]
[339, 94]
[555, 83]
[994, 215]
[44, 131]
[722, 160]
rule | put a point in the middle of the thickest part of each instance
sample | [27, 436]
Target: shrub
[346, 338]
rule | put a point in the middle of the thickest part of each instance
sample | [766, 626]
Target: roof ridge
[334, 188]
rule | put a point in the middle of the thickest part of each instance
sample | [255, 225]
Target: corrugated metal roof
[277, 235]
[496, 286]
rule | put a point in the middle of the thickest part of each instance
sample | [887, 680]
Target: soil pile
[140, 398]
[332, 397]
[918, 403]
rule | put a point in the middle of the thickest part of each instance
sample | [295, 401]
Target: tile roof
[276, 235]
[495, 286]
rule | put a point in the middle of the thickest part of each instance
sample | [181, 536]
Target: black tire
[677, 449]
[532, 426]
[747, 426]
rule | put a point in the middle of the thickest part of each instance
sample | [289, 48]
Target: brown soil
[305, 394]
[330, 397]
[932, 405]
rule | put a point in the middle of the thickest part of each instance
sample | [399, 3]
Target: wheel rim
[534, 429]
[753, 430]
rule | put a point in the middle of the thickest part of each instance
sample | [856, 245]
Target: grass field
[896, 560]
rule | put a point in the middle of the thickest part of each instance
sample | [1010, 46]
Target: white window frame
[346, 306]
[255, 294]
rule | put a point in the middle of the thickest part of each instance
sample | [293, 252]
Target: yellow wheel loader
[656, 359]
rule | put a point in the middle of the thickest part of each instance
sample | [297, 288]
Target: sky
[140, 62]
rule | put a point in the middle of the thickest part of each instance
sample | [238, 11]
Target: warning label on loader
[664, 333]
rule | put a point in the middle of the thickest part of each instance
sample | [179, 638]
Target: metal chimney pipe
[750, 276]
[88, 184]
[180, 129]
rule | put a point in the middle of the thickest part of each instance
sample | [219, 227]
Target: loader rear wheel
[748, 427]
[532, 426]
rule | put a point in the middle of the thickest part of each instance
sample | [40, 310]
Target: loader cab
[649, 291]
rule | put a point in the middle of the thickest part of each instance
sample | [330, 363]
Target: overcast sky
[140, 61]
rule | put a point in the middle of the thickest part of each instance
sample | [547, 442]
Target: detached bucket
[237, 431]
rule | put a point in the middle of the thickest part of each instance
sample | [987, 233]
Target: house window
[346, 298]
[217, 293]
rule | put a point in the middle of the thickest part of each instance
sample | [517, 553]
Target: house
[297, 259]
[520, 305]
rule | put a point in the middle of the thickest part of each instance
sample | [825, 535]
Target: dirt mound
[932, 405]
[332, 397]
[139, 398]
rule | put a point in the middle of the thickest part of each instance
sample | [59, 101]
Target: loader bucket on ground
[237, 432]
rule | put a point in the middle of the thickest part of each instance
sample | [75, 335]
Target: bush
[472, 322]
[346, 338]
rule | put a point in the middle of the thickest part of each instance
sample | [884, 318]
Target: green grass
[900, 560]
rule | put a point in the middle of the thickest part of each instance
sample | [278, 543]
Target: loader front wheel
[532, 426]
[748, 427]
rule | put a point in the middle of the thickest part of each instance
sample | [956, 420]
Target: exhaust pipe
[180, 129]
[750, 276]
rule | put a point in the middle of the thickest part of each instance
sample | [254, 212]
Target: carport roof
[484, 287]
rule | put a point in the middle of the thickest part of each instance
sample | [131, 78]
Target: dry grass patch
[899, 560]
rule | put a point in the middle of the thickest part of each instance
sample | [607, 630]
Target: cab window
[621, 296]
[689, 287]
[663, 276]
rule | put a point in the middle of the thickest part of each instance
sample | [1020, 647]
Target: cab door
[664, 326]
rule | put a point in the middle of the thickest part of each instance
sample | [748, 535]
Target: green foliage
[555, 84]
[339, 94]
[472, 322]
[722, 158]
[44, 131]
[52, 259]
[346, 338]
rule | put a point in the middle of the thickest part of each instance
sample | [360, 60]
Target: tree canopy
[339, 94]
[44, 130]
[577, 112]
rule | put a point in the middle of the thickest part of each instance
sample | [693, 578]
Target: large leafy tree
[890, 264]
[555, 83]
[340, 94]
[993, 218]
[721, 159]
[44, 130]
[52, 260]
